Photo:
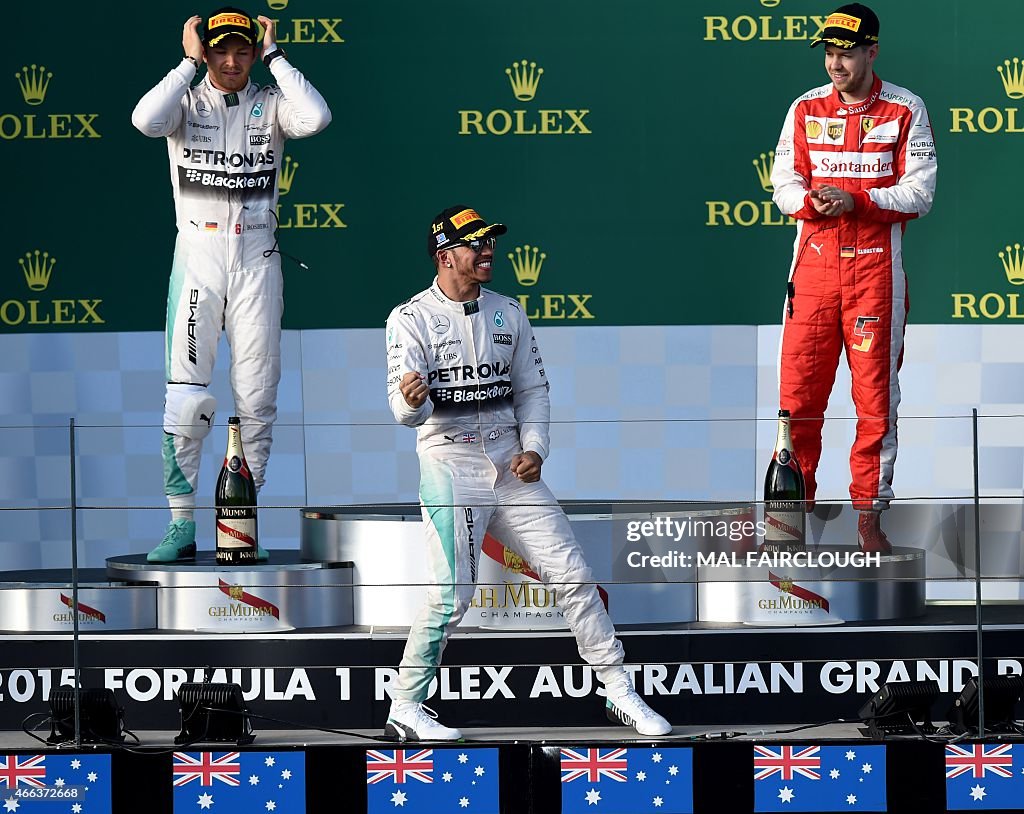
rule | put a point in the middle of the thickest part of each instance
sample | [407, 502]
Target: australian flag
[620, 780]
[79, 784]
[983, 776]
[432, 781]
[223, 782]
[819, 778]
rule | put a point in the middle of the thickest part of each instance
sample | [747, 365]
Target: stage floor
[493, 736]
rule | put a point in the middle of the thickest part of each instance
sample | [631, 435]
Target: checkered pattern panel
[638, 413]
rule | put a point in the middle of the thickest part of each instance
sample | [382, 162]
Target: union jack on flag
[206, 768]
[236, 783]
[448, 780]
[787, 761]
[80, 782]
[16, 772]
[398, 765]
[984, 776]
[980, 759]
[625, 780]
[592, 765]
[802, 777]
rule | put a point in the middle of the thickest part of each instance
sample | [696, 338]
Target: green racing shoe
[179, 543]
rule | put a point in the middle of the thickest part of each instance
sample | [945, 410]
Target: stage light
[213, 712]
[902, 708]
[1001, 696]
[100, 717]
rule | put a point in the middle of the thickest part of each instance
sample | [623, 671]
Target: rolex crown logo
[37, 268]
[34, 82]
[1013, 78]
[764, 166]
[288, 170]
[277, 5]
[1013, 263]
[526, 263]
[524, 76]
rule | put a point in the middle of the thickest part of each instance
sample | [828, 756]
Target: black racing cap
[228, 21]
[849, 26]
[457, 224]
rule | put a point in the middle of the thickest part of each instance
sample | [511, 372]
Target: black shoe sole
[399, 733]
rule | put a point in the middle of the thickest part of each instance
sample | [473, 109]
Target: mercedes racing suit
[847, 287]
[225, 153]
[488, 402]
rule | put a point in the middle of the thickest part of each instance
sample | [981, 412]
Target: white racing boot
[625, 706]
[409, 721]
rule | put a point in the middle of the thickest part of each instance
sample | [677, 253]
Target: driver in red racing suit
[855, 161]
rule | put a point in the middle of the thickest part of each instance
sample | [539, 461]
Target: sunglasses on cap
[476, 246]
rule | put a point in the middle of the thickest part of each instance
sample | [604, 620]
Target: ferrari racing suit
[488, 402]
[847, 288]
[225, 152]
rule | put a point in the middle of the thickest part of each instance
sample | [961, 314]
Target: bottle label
[236, 532]
[234, 463]
[783, 457]
[784, 524]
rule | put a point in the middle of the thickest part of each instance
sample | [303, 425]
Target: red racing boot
[870, 536]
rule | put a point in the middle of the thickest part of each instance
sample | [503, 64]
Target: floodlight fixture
[213, 712]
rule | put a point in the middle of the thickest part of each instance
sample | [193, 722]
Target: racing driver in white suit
[225, 138]
[464, 369]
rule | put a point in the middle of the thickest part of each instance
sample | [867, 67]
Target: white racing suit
[488, 402]
[225, 152]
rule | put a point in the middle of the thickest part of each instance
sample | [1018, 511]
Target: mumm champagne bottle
[235, 500]
[784, 495]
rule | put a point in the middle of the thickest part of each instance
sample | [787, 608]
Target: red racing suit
[847, 288]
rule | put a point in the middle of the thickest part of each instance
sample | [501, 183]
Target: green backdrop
[631, 168]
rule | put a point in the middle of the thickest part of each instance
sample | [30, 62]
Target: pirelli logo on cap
[464, 217]
[847, 21]
[229, 18]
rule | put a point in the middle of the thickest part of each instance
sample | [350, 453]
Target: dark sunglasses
[476, 246]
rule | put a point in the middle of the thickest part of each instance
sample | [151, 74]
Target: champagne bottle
[235, 500]
[784, 495]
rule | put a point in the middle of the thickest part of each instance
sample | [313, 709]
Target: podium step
[283, 593]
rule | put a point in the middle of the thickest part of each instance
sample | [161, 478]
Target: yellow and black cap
[849, 26]
[230, 21]
[457, 225]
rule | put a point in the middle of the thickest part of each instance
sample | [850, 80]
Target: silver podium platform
[385, 545]
[47, 607]
[285, 593]
[815, 594]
